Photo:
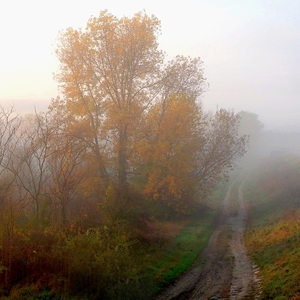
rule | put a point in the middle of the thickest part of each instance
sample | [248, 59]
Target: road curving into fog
[228, 272]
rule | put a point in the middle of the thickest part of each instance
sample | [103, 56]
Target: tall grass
[273, 235]
[105, 263]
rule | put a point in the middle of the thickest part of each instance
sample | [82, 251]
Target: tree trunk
[122, 160]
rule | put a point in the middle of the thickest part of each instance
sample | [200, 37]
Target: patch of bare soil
[228, 272]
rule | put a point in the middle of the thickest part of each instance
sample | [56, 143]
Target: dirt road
[228, 273]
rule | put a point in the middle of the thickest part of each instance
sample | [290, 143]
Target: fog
[250, 50]
[273, 143]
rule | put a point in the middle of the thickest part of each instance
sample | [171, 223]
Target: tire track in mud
[228, 272]
[245, 283]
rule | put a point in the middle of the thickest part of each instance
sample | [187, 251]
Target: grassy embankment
[273, 235]
[110, 263]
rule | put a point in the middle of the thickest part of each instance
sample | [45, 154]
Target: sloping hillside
[273, 235]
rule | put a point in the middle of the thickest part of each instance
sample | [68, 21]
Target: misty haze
[149, 151]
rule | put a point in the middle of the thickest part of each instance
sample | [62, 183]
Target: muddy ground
[227, 273]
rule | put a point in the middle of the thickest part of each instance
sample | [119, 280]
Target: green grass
[149, 267]
[184, 250]
[273, 235]
[187, 247]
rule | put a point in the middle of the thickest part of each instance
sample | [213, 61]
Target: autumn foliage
[127, 141]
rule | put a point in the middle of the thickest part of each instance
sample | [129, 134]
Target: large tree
[111, 74]
[137, 115]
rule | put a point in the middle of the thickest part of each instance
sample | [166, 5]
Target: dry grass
[153, 231]
[273, 239]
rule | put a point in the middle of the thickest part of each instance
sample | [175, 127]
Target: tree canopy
[111, 75]
[137, 115]
[126, 141]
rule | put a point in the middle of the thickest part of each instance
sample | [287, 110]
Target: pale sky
[250, 49]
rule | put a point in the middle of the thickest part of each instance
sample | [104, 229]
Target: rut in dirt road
[245, 283]
[228, 272]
